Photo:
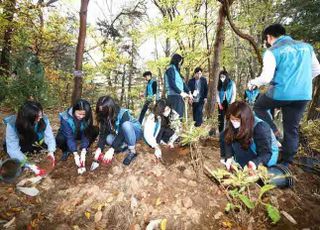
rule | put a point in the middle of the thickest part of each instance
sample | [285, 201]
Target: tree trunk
[217, 48]
[122, 84]
[77, 90]
[314, 108]
[8, 12]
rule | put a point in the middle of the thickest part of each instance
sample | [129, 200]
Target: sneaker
[129, 158]
[65, 156]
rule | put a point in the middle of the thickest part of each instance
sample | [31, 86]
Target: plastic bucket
[281, 176]
[10, 170]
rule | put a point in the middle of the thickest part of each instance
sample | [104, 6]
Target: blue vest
[252, 95]
[134, 121]
[11, 120]
[178, 81]
[274, 145]
[149, 91]
[293, 75]
[69, 119]
[228, 92]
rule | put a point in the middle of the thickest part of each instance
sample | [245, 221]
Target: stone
[187, 202]
[218, 215]
[192, 183]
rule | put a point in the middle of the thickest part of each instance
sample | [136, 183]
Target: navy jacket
[203, 87]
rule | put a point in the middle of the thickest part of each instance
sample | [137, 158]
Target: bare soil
[129, 197]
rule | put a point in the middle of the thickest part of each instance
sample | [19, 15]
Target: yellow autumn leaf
[158, 202]
[87, 214]
[163, 224]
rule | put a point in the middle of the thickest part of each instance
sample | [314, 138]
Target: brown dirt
[120, 197]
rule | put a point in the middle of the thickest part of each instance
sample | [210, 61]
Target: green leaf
[273, 213]
[246, 201]
[265, 189]
[228, 207]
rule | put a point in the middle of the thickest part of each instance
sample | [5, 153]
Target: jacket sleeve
[263, 141]
[205, 88]
[154, 87]
[84, 141]
[67, 132]
[185, 87]
[117, 142]
[148, 131]
[13, 146]
[171, 80]
[225, 149]
[190, 85]
[49, 138]
[102, 138]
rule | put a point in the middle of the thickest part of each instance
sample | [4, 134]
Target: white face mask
[166, 112]
[222, 78]
[235, 124]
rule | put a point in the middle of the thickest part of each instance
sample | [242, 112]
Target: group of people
[247, 136]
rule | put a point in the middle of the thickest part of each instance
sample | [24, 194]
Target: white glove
[83, 157]
[97, 154]
[157, 152]
[183, 94]
[76, 159]
[107, 158]
[195, 93]
[52, 158]
[228, 163]
[81, 170]
[34, 168]
[94, 165]
[171, 145]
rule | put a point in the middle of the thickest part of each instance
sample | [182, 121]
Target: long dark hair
[223, 85]
[26, 121]
[107, 111]
[82, 104]
[244, 134]
[175, 60]
[159, 109]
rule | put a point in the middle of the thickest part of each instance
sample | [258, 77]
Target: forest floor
[129, 197]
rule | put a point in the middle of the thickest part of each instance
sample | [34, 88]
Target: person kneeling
[163, 125]
[247, 139]
[118, 129]
[29, 132]
[76, 123]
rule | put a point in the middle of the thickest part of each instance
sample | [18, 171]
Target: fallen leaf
[7, 225]
[163, 224]
[227, 224]
[87, 214]
[158, 202]
[289, 217]
[97, 216]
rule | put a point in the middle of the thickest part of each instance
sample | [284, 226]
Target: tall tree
[8, 12]
[77, 90]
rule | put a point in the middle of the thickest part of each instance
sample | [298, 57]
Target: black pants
[144, 110]
[222, 115]
[164, 134]
[197, 111]
[61, 140]
[177, 103]
[292, 112]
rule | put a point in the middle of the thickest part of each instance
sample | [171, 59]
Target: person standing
[289, 67]
[226, 95]
[176, 88]
[151, 93]
[199, 89]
